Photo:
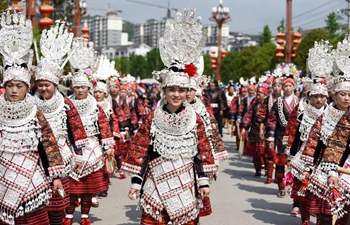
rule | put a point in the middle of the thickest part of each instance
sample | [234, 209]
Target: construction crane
[105, 10]
[159, 6]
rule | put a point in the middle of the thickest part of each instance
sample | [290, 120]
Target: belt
[214, 105]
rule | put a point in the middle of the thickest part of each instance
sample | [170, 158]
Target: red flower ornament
[191, 70]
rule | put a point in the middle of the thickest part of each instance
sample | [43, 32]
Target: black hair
[23, 65]
[174, 68]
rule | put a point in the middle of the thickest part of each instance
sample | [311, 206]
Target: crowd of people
[58, 147]
[307, 134]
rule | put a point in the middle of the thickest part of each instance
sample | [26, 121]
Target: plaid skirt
[254, 149]
[90, 184]
[295, 188]
[281, 159]
[38, 217]
[121, 148]
[57, 203]
[206, 209]
[146, 219]
[318, 206]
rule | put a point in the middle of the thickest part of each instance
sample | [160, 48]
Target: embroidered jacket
[277, 121]
[29, 158]
[161, 154]
[250, 122]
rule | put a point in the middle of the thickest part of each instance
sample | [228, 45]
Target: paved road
[237, 197]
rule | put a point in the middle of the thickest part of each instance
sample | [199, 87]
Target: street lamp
[220, 15]
[79, 11]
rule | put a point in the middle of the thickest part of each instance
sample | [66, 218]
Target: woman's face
[99, 96]
[342, 99]
[175, 96]
[81, 92]
[123, 94]
[277, 88]
[15, 90]
[114, 90]
[288, 89]
[261, 96]
[190, 95]
[318, 100]
[46, 89]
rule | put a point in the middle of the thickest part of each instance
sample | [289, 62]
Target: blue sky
[248, 16]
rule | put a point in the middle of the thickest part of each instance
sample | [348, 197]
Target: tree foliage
[154, 61]
[332, 25]
[229, 68]
[138, 66]
[64, 10]
[266, 36]
[281, 28]
[4, 4]
[246, 61]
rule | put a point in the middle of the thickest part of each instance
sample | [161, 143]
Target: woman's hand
[332, 181]
[57, 184]
[77, 167]
[204, 192]
[261, 131]
[134, 193]
[109, 154]
[306, 174]
[242, 134]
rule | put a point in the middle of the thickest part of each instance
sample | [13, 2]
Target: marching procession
[59, 148]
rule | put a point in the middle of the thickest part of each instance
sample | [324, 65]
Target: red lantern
[280, 55]
[280, 35]
[46, 10]
[15, 6]
[85, 32]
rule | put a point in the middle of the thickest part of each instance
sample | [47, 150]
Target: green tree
[4, 4]
[207, 65]
[332, 25]
[266, 36]
[64, 10]
[122, 65]
[264, 59]
[154, 62]
[138, 66]
[246, 62]
[229, 68]
[281, 28]
[308, 42]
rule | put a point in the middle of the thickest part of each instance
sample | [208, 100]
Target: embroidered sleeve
[106, 135]
[138, 153]
[205, 153]
[338, 142]
[247, 119]
[123, 119]
[312, 142]
[141, 110]
[220, 152]
[75, 124]
[291, 128]
[262, 112]
[114, 123]
[240, 109]
[272, 121]
[56, 167]
[210, 109]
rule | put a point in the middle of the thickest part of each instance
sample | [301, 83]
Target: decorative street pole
[289, 31]
[220, 15]
[79, 11]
